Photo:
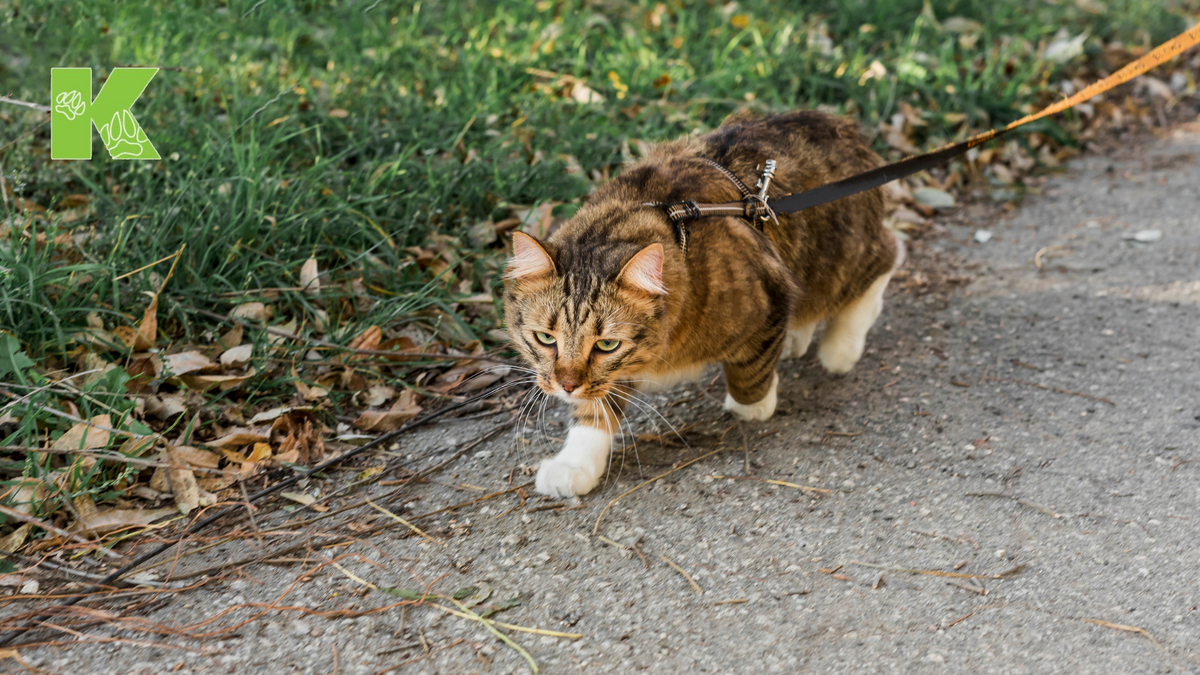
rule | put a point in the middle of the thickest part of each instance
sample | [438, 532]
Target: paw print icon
[122, 136]
[70, 103]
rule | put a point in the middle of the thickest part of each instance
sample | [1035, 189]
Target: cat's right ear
[529, 260]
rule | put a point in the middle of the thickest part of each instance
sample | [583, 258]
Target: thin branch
[17, 515]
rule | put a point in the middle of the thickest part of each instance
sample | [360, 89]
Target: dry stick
[596, 528]
[352, 350]
[939, 573]
[1049, 388]
[113, 456]
[1022, 502]
[776, 482]
[287, 482]
[310, 521]
[404, 522]
[1128, 629]
[39, 390]
[17, 515]
[687, 576]
[284, 550]
[35, 106]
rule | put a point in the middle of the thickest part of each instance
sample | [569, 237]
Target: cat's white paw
[578, 467]
[838, 356]
[756, 412]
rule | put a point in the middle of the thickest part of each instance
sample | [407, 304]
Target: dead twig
[26, 104]
[777, 482]
[596, 527]
[1023, 502]
[978, 590]
[36, 522]
[1049, 388]
[333, 345]
[687, 576]
[938, 573]
[404, 522]
[1121, 626]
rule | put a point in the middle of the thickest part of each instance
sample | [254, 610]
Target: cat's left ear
[643, 272]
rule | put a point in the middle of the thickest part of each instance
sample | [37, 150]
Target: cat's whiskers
[647, 405]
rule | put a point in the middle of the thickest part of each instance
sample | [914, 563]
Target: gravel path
[1069, 393]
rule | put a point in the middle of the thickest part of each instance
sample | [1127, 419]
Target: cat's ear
[529, 259]
[643, 272]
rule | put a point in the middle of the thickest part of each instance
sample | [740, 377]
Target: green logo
[75, 112]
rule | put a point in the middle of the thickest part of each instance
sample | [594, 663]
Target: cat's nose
[568, 385]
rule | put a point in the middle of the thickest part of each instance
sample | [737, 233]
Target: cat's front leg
[752, 384]
[584, 458]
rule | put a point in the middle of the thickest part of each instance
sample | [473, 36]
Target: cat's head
[585, 319]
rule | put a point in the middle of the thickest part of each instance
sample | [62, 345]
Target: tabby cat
[610, 303]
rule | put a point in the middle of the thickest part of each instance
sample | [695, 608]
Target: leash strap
[754, 208]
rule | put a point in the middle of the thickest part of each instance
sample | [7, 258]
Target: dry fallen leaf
[165, 406]
[298, 497]
[143, 337]
[16, 538]
[377, 396]
[110, 520]
[185, 362]
[231, 339]
[240, 436]
[188, 494]
[204, 459]
[253, 311]
[404, 409]
[223, 382]
[236, 357]
[84, 436]
[309, 274]
[369, 339]
[302, 442]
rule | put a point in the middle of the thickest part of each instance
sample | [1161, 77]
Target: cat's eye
[545, 338]
[607, 345]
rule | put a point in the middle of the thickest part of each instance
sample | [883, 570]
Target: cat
[610, 303]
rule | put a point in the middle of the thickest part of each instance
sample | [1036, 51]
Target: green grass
[447, 125]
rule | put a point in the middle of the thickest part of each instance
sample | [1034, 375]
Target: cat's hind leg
[799, 336]
[846, 332]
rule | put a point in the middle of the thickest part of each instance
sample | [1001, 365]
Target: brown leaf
[188, 494]
[377, 396]
[147, 331]
[231, 339]
[369, 339]
[236, 357]
[185, 362]
[16, 538]
[203, 459]
[309, 274]
[239, 436]
[404, 409]
[84, 436]
[252, 311]
[110, 520]
[223, 382]
[165, 406]
[302, 438]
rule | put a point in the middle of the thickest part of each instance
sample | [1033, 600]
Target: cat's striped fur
[739, 298]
